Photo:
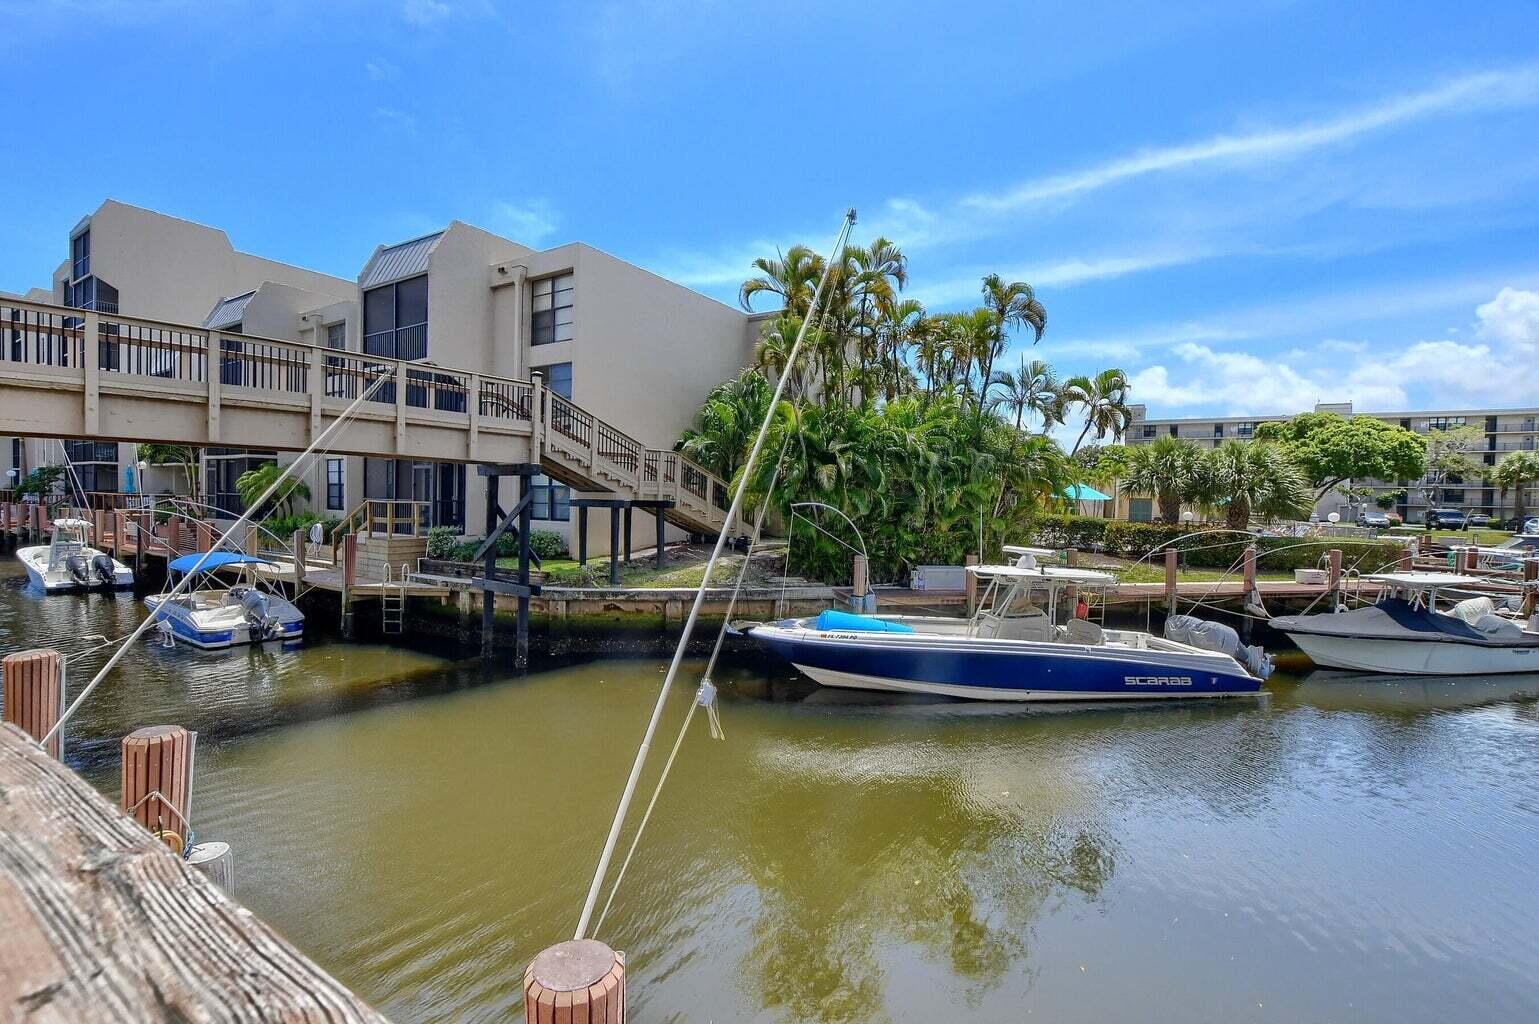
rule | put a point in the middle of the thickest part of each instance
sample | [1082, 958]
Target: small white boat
[1023, 644]
[69, 562]
[213, 614]
[1408, 631]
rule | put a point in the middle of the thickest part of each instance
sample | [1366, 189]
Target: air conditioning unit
[1314, 577]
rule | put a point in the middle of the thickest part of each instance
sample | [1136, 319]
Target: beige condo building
[1505, 431]
[635, 348]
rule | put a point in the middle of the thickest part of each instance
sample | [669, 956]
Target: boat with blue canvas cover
[1026, 642]
[214, 614]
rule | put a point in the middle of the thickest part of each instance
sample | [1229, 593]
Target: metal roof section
[394, 262]
[228, 311]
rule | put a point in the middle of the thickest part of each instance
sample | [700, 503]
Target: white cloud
[530, 222]
[380, 70]
[1519, 86]
[424, 12]
[398, 120]
[1061, 274]
[1373, 377]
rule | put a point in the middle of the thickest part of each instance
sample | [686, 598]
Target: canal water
[1343, 849]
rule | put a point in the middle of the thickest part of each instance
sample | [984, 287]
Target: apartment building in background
[1505, 431]
[636, 349]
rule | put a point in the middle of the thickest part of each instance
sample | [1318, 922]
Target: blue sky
[1249, 207]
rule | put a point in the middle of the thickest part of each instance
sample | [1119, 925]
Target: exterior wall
[1506, 431]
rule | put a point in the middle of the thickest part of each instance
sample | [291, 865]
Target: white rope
[694, 610]
[150, 620]
[704, 697]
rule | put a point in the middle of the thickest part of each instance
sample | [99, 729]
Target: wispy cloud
[424, 12]
[1483, 90]
[380, 70]
[398, 120]
[530, 222]
[1061, 274]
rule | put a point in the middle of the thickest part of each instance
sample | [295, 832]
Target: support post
[662, 525]
[582, 979]
[34, 693]
[614, 547]
[99, 529]
[157, 780]
[627, 535]
[1471, 558]
[859, 582]
[37, 521]
[582, 535]
[1250, 569]
[1333, 570]
[970, 583]
[1408, 558]
[525, 528]
[489, 570]
[1531, 586]
[1172, 557]
[299, 559]
[174, 535]
[349, 577]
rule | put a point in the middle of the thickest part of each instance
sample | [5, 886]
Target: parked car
[1447, 519]
[1373, 520]
[1480, 519]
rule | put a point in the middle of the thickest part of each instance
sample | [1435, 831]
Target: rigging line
[318, 443]
[694, 611]
[721, 636]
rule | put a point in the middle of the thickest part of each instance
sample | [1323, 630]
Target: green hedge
[1123, 539]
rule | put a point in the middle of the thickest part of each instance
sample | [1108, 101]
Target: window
[1218, 430]
[336, 335]
[80, 255]
[558, 378]
[1148, 429]
[225, 466]
[1445, 422]
[552, 310]
[335, 474]
[550, 501]
[395, 319]
[440, 484]
[1245, 429]
[1175, 431]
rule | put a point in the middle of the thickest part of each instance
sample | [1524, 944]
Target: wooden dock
[103, 923]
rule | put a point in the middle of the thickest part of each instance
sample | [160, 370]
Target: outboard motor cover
[78, 570]
[101, 565]
[254, 604]
[1215, 636]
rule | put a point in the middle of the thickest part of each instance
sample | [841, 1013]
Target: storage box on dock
[1314, 577]
[938, 577]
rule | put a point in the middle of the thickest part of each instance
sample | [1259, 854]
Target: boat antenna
[319, 444]
[694, 610]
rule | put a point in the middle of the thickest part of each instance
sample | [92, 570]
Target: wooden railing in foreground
[92, 353]
[104, 923]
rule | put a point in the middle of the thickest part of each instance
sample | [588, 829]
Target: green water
[1341, 850]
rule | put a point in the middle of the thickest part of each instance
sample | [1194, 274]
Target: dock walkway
[103, 923]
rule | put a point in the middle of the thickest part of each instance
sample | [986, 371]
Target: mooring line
[694, 611]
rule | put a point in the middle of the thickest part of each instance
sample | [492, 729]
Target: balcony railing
[402, 343]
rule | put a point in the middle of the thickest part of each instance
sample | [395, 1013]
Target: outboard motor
[259, 618]
[102, 566]
[78, 570]
[1215, 636]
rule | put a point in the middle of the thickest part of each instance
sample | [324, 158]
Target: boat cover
[1398, 619]
[832, 619]
[1215, 636]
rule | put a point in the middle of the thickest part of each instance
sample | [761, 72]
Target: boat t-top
[69, 562]
[1029, 640]
[214, 614]
[1413, 630]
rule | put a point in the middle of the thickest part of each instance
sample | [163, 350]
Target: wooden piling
[99, 528]
[350, 580]
[1172, 557]
[157, 780]
[37, 523]
[34, 693]
[1333, 570]
[971, 583]
[1408, 558]
[579, 980]
[1531, 589]
[1249, 569]
[299, 558]
[1471, 559]
[860, 578]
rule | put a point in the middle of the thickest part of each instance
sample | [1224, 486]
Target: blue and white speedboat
[212, 614]
[1025, 643]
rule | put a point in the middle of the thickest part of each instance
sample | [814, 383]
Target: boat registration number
[1157, 680]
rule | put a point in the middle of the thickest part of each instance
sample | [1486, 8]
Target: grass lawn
[683, 567]
[1143, 572]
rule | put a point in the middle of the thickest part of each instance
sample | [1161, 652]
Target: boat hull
[185, 628]
[1415, 657]
[1005, 670]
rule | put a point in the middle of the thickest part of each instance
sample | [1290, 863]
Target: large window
[551, 501]
[1148, 430]
[1445, 422]
[558, 378]
[225, 466]
[441, 484]
[395, 319]
[336, 335]
[80, 255]
[336, 473]
[552, 310]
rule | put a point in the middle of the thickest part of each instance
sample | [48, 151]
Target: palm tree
[895, 329]
[727, 423]
[1010, 305]
[1258, 478]
[1105, 401]
[1166, 468]
[1034, 389]
[793, 276]
[969, 339]
[251, 485]
[772, 354]
[1517, 472]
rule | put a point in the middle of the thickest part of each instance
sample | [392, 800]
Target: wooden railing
[94, 349]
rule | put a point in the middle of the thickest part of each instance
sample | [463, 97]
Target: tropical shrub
[284, 526]
[547, 544]
[442, 542]
[41, 480]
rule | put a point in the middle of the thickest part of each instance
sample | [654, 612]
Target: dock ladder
[392, 601]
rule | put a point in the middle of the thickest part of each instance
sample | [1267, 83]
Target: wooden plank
[101, 923]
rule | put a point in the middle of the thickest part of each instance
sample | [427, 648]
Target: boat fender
[102, 566]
